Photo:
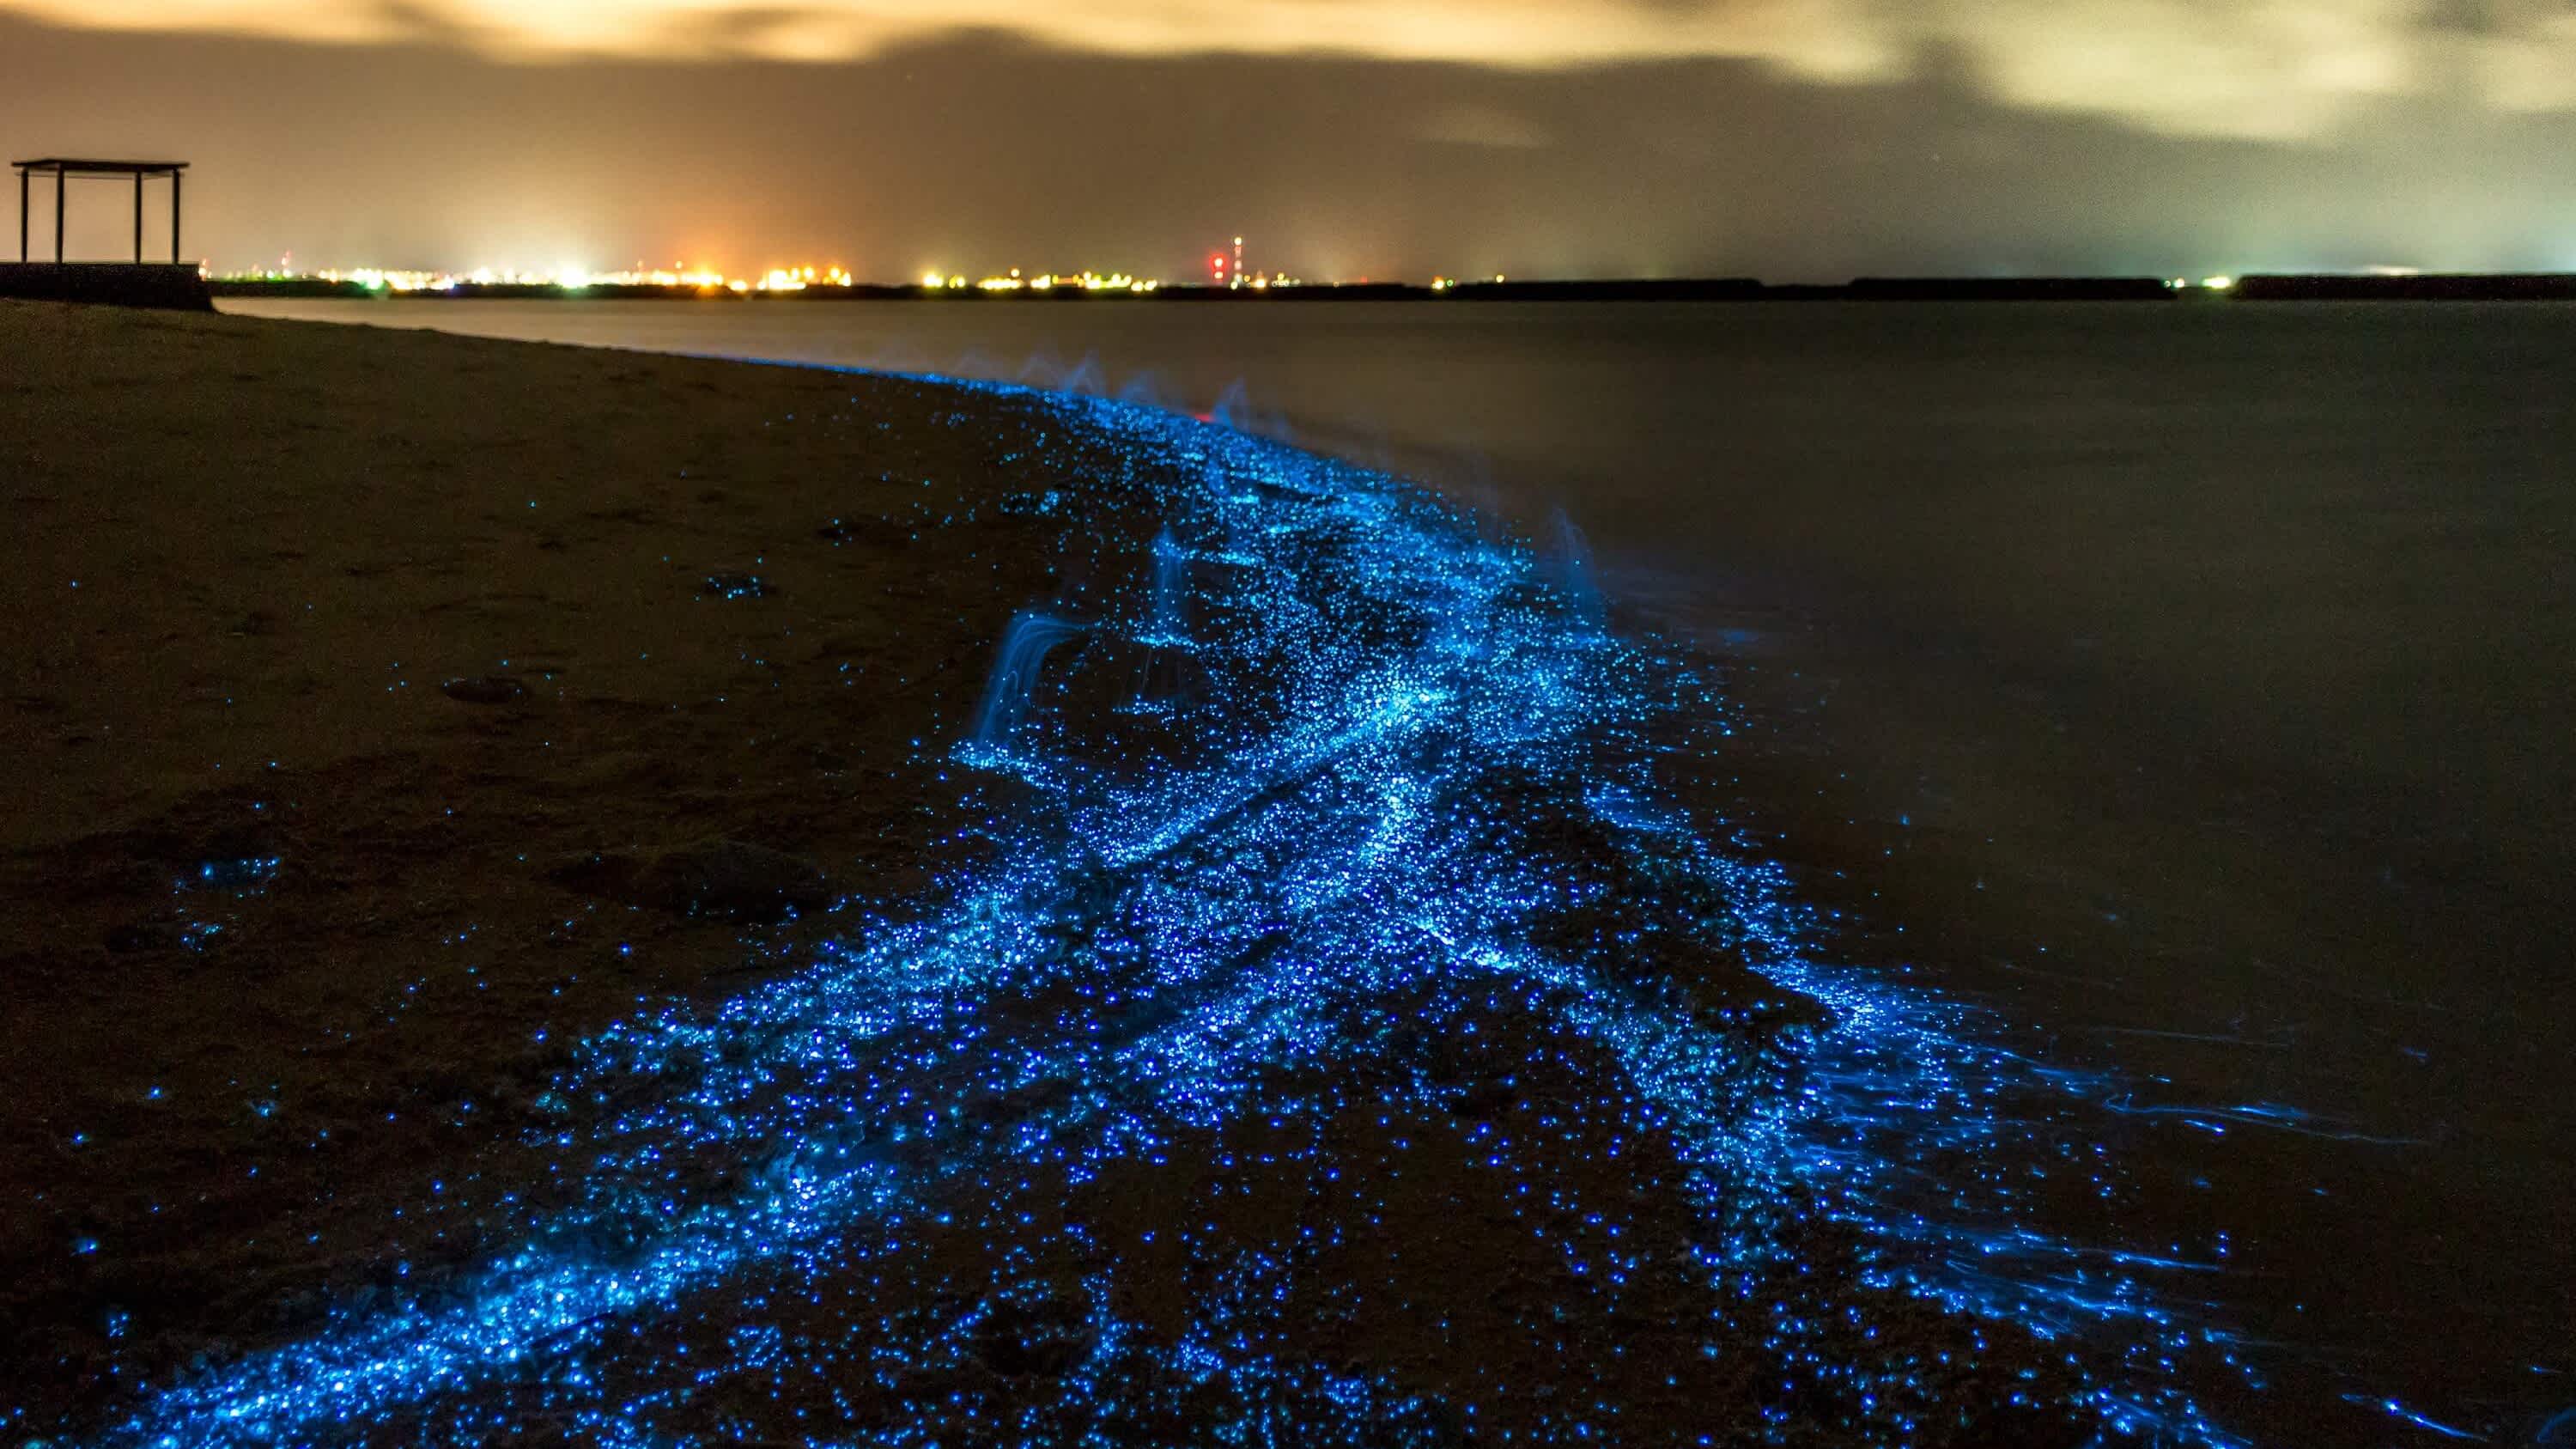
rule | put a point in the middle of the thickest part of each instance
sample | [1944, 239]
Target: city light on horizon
[573, 277]
[711, 281]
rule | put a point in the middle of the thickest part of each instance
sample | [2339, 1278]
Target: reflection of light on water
[1407, 758]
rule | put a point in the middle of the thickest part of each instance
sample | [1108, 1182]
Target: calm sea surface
[2192, 686]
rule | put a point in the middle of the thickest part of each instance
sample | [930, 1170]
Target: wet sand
[333, 660]
[390, 715]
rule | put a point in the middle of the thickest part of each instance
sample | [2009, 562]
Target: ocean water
[2187, 688]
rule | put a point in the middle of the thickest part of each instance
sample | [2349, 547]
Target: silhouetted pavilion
[64, 168]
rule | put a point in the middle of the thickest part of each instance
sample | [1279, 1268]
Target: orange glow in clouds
[2276, 69]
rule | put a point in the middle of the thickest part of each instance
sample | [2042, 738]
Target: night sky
[1791, 139]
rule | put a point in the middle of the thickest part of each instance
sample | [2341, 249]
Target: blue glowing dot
[1386, 763]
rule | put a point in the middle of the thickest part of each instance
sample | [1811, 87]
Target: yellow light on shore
[702, 279]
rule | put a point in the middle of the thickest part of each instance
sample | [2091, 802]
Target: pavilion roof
[79, 166]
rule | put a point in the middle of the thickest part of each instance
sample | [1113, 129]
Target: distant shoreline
[185, 288]
[2497, 287]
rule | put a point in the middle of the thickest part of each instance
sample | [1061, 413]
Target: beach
[921, 726]
[356, 685]
[522, 886]
[561, 894]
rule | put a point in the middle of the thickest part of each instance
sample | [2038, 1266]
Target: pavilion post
[63, 169]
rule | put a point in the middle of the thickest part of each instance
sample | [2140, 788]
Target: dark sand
[297, 934]
[244, 560]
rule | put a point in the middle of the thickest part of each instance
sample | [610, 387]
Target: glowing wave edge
[1351, 833]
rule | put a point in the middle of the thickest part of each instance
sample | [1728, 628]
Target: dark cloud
[421, 22]
[987, 152]
[2274, 69]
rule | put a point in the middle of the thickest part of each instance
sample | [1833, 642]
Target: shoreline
[390, 696]
[2261, 287]
[572, 837]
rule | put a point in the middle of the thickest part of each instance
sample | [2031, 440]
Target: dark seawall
[2430, 287]
[120, 284]
[2261, 288]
